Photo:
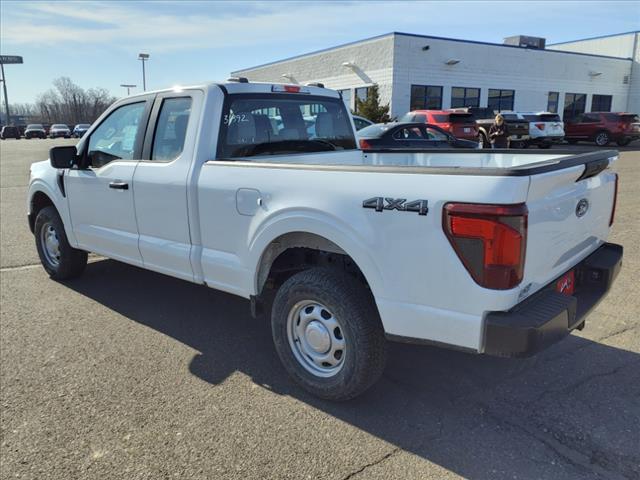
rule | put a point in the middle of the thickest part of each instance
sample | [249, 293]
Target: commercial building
[421, 71]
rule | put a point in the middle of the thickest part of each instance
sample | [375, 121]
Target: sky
[96, 44]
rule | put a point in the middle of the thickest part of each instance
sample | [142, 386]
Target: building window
[552, 102]
[426, 97]
[362, 93]
[346, 97]
[501, 99]
[574, 105]
[465, 97]
[601, 103]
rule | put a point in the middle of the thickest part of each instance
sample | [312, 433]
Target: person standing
[499, 133]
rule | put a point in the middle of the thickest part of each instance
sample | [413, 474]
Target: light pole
[7, 59]
[128, 86]
[143, 57]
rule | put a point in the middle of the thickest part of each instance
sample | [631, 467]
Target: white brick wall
[373, 60]
[397, 61]
[626, 45]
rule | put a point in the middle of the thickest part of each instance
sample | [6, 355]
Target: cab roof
[247, 87]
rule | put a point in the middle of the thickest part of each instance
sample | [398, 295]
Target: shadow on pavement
[571, 412]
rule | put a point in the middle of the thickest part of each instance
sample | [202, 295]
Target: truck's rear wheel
[328, 334]
[602, 139]
[59, 259]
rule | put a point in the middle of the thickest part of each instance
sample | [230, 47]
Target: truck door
[100, 191]
[160, 184]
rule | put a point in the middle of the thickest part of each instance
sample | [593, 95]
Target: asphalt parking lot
[129, 374]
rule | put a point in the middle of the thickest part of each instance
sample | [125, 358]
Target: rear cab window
[171, 129]
[280, 124]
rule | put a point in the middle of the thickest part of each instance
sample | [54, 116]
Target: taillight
[540, 126]
[615, 200]
[364, 145]
[447, 126]
[490, 240]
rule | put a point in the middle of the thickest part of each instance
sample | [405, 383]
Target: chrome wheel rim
[602, 139]
[50, 244]
[316, 338]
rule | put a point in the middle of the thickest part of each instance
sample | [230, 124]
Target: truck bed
[439, 161]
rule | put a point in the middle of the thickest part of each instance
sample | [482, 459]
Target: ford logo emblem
[582, 208]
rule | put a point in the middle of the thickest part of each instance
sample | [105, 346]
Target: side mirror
[63, 157]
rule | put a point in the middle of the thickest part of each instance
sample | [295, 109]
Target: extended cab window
[171, 128]
[115, 137]
[271, 124]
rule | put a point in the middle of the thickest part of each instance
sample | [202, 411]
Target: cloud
[210, 25]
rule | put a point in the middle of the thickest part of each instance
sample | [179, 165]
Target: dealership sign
[6, 59]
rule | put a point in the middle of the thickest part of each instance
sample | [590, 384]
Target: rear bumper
[549, 139]
[548, 316]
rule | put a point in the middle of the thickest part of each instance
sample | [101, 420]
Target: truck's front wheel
[328, 334]
[59, 259]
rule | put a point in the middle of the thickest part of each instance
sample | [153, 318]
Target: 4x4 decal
[401, 204]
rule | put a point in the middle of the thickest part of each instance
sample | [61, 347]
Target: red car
[603, 128]
[459, 124]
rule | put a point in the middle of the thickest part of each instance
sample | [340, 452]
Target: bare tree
[71, 104]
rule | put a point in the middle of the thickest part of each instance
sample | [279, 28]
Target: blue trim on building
[596, 38]
[431, 37]
[476, 42]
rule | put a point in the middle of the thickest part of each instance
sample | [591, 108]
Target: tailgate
[569, 214]
[518, 128]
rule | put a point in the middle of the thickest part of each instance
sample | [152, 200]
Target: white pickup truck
[500, 252]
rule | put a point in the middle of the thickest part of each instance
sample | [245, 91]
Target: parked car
[80, 129]
[484, 116]
[9, 131]
[409, 136]
[460, 124]
[545, 129]
[345, 248]
[603, 128]
[59, 130]
[361, 122]
[34, 130]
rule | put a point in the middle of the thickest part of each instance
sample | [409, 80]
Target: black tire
[572, 141]
[602, 138]
[486, 144]
[623, 142]
[71, 262]
[352, 305]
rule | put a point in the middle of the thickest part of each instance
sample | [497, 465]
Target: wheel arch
[37, 201]
[42, 195]
[296, 250]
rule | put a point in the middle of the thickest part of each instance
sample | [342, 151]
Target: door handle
[119, 185]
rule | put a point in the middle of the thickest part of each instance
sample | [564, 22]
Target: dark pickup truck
[484, 117]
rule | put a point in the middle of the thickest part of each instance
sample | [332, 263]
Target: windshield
[83, 125]
[34, 126]
[58, 126]
[270, 124]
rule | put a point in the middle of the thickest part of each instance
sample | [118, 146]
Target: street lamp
[143, 57]
[7, 59]
[128, 86]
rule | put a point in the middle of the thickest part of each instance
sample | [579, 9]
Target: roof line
[375, 37]
[475, 42]
[595, 38]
